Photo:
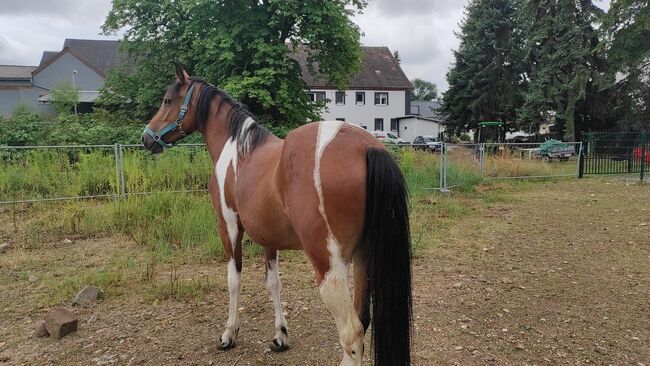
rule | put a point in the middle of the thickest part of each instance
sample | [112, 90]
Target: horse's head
[174, 119]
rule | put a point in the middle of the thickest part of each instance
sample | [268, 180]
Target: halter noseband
[171, 126]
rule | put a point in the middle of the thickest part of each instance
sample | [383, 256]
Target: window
[360, 98]
[379, 124]
[340, 97]
[394, 123]
[316, 96]
[341, 119]
[381, 98]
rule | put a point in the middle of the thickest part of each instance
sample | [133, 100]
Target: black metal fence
[615, 153]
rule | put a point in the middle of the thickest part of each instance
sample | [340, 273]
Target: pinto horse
[330, 189]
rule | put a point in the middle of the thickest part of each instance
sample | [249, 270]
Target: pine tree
[563, 61]
[627, 29]
[485, 82]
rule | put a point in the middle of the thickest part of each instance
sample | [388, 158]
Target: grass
[171, 223]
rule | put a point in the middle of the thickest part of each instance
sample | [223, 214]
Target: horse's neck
[227, 150]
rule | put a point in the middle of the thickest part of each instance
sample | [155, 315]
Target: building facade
[374, 99]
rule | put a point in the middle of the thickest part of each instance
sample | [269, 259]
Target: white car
[387, 137]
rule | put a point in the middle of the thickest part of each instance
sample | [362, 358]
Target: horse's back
[326, 162]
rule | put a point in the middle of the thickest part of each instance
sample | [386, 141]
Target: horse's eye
[167, 101]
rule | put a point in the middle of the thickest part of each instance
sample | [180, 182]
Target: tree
[424, 90]
[64, 97]
[563, 61]
[485, 82]
[627, 30]
[240, 46]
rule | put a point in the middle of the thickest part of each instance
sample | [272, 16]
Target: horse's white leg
[336, 295]
[273, 284]
[232, 325]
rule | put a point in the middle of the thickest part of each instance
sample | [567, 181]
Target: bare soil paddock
[554, 273]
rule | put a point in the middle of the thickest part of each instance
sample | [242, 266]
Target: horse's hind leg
[273, 284]
[332, 277]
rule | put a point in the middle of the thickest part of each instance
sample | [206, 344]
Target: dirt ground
[558, 273]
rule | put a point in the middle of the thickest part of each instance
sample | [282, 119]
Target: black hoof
[278, 347]
[225, 345]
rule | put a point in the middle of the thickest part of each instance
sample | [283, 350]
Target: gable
[59, 69]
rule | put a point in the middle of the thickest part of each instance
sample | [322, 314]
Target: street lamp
[74, 87]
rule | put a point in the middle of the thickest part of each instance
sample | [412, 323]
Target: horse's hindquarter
[342, 172]
[259, 202]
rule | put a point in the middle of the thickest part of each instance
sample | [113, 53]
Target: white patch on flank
[327, 130]
[274, 286]
[334, 289]
[234, 285]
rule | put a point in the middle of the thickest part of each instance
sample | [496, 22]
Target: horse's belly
[270, 232]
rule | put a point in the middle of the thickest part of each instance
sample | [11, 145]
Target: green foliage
[424, 90]
[64, 98]
[242, 47]
[485, 82]
[562, 57]
[627, 30]
[103, 128]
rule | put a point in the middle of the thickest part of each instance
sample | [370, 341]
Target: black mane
[254, 135]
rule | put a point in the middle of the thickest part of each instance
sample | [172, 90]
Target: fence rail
[59, 173]
[615, 153]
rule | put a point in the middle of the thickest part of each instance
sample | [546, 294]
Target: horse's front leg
[231, 233]
[273, 284]
[234, 255]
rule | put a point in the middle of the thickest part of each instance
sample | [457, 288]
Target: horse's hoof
[278, 347]
[223, 346]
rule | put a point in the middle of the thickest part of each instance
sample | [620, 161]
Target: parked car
[427, 143]
[387, 137]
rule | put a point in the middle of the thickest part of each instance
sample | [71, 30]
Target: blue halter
[171, 126]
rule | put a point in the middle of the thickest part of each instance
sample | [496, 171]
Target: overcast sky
[421, 30]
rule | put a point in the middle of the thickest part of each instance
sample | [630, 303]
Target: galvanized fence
[59, 173]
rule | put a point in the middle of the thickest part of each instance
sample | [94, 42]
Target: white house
[423, 120]
[375, 98]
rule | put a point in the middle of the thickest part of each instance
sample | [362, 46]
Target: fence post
[481, 156]
[581, 161]
[442, 169]
[644, 147]
[122, 171]
[118, 179]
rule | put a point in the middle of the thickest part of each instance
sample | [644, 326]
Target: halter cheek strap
[171, 126]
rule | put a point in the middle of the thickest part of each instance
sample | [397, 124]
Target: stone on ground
[4, 247]
[60, 322]
[40, 330]
[87, 295]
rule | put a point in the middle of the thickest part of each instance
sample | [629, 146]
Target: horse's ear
[181, 75]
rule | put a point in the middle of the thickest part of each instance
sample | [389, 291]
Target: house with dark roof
[374, 98]
[82, 64]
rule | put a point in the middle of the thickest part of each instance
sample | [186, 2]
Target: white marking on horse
[327, 130]
[234, 286]
[334, 289]
[227, 159]
[274, 286]
[229, 155]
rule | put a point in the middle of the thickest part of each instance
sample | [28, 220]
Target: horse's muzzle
[151, 145]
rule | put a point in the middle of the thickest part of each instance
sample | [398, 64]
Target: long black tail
[387, 236]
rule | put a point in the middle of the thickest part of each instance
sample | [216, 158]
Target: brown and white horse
[329, 189]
